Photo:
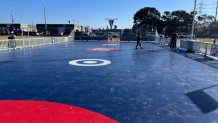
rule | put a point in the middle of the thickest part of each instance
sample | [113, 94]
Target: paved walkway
[209, 60]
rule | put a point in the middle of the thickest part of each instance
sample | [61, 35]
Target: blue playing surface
[150, 85]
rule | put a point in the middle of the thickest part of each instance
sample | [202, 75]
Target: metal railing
[202, 48]
[31, 42]
[90, 38]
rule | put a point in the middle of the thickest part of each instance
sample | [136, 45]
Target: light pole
[193, 21]
[12, 21]
[78, 25]
[45, 17]
[216, 11]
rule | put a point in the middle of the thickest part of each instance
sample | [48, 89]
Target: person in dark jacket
[173, 41]
[138, 38]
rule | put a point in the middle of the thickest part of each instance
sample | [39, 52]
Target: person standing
[214, 41]
[173, 41]
[138, 38]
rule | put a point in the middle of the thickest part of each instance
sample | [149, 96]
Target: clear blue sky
[88, 12]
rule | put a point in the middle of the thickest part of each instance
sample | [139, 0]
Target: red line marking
[103, 49]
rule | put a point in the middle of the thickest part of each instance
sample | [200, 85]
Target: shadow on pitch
[202, 100]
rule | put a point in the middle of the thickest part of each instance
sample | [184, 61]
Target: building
[61, 29]
[55, 29]
[88, 29]
[17, 28]
[82, 29]
[77, 28]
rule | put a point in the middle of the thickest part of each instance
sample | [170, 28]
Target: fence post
[23, 43]
[205, 54]
[7, 44]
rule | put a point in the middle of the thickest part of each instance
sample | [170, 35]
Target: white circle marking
[89, 62]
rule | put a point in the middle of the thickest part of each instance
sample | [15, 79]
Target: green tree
[147, 16]
[205, 25]
[177, 21]
[213, 28]
[205, 19]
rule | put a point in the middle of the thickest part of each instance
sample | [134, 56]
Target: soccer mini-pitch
[102, 82]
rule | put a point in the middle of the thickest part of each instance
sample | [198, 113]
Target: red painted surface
[103, 49]
[45, 112]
